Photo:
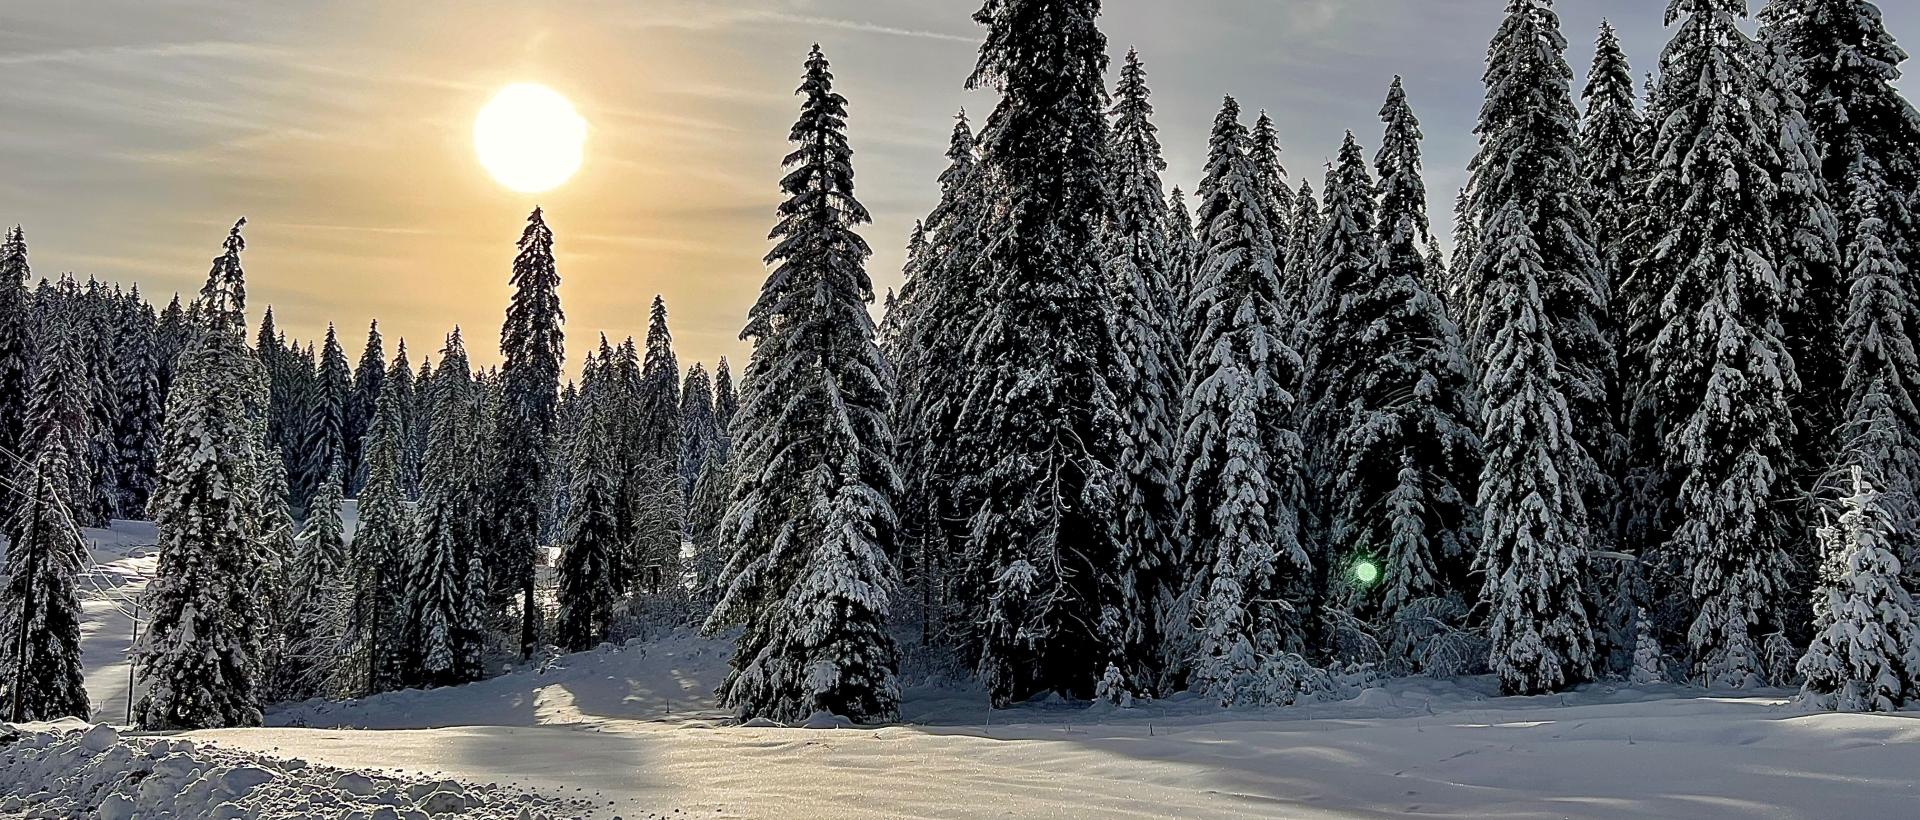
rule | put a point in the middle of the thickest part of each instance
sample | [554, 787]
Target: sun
[530, 138]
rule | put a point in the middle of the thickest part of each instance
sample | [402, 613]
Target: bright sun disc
[530, 138]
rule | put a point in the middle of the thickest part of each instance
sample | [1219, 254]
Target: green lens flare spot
[1366, 572]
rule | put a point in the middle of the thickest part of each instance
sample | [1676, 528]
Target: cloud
[211, 49]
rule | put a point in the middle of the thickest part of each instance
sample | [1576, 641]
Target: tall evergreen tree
[361, 400]
[1183, 251]
[1241, 459]
[1865, 655]
[324, 434]
[1265, 153]
[1529, 153]
[1400, 459]
[16, 341]
[1046, 592]
[1534, 550]
[698, 429]
[445, 578]
[200, 653]
[376, 623]
[652, 490]
[725, 401]
[589, 561]
[1609, 155]
[40, 673]
[318, 598]
[940, 309]
[1712, 417]
[812, 521]
[137, 429]
[1296, 280]
[1140, 262]
[532, 343]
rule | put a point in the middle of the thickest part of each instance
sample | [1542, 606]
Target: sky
[136, 132]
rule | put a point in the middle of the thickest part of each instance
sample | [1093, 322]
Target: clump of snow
[56, 771]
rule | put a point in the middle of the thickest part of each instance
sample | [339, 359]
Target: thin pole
[132, 659]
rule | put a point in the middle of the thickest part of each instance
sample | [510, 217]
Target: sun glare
[530, 138]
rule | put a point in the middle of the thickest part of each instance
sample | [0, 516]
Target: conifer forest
[1631, 437]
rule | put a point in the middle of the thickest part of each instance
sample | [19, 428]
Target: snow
[632, 732]
[59, 771]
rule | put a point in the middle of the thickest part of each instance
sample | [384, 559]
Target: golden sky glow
[136, 132]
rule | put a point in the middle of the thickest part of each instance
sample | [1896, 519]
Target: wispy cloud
[212, 49]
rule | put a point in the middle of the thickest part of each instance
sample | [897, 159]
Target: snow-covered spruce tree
[1466, 243]
[376, 562]
[276, 534]
[1296, 280]
[445, 578]
[1399, 457]
[1040, 422]
[98, 316]
[40, 674]
[415, 413]
[532, 344]
[589, 581]
[1437, 273]
[652, 493]
[1183, 250]
[367, 380]
[136, 431]
[811, 525]
[1536, 536]
[940, 307]
[725, 401]
[1610, 161]
[1529, 154]
[1865, 655]
[326, 425]
[200, 654]
[706, 511]
[60, 411]
[700, 434]
[16, 341]
[318, 599]
[1712, 417]
[1880, 428]
[1240, 457]
[1139, 260]
[1265, 153]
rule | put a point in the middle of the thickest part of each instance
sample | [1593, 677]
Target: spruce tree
[651, 487]
[361, 400]
[1183, 251]
[98, 316]
[589, 581]
[808, 534]
[445, 577]
[1609, 160]
[1140, 262]
[387, 531]
[698, 429]
[1880, 415]
[1241, 459]
[137, 429]
[16, 342]
[725, 401]
[1399, 458]
[60, 413]
[1296, 280]
[318, 599]
[1865, 655]
[532, 344]
[1712, 418]
[940, 308]
[40, 673]
[1529, 153]
[324, 434]
[1265, 153]
[1535, 541]
[200, 654]
[1466, 244]
[1046, 599]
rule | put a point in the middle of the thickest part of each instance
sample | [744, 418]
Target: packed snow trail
[123, 561]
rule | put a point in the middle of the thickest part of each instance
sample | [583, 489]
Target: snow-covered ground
[632, 733]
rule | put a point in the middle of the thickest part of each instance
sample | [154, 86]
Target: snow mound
[58, 771]
[670, 679]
